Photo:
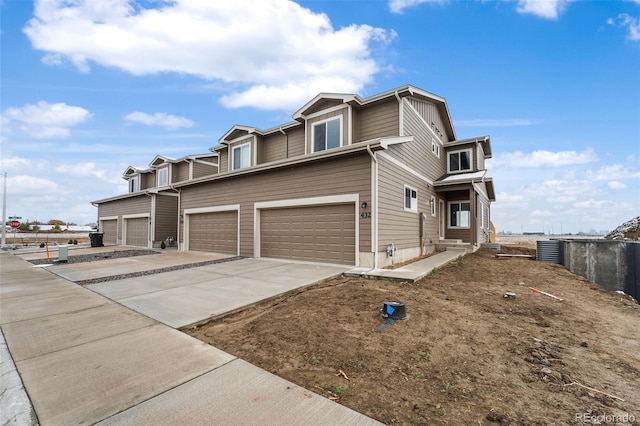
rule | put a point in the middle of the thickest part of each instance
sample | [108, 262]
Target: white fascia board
[214, 209]
[385, 142]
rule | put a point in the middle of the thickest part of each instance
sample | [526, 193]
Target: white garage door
[137, 231]
[317, 233]
[216, 232]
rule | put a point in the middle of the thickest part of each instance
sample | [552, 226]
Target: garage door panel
[318, 233]
[216, 232]
[137, 231]
[110, 230]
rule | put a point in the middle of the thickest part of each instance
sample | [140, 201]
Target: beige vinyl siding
[345, 126]
[180, 172]
[431, 114]
[223, 156]
[166, 218]
[324, 104]
[295, 143]
[271, 148]
[463, 234]
[377, 121]
[133, 205]
[200, 170]
[148, 180]
[396, 225]
[482, 209]
[417, 154]
[346, 175]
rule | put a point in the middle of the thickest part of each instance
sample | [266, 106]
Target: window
[134, 184]
[241, 156]
[162, 176]
[459, 214]
[460, 161]
[435, 147]
[410, 199]
[434, 207]
[327, 134]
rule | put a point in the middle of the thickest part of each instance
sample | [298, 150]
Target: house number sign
[365, 215]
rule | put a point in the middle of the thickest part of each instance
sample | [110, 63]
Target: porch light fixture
[363, 205]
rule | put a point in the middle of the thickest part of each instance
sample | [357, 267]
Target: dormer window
[241, 156]
[134, 183]
[459, 161]
[162, 176]
[327, 134]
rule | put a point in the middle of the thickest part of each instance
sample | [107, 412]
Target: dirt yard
[465, 355]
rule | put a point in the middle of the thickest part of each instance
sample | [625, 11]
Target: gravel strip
[83, 258]
[155, 271]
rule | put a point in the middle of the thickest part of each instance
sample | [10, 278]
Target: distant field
[33, 238]
[530, 240]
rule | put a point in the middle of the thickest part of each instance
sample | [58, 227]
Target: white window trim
[482, 215]
[449, 226]
[404, 199]
[435, 147]
[434, 206]
[313, 131]
[470, 151]
[136, 179]
[158, 176]
[233, 154]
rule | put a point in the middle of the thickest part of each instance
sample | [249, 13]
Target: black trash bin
[96, 239]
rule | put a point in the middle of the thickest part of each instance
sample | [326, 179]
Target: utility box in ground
[96, 239]
[63, 253]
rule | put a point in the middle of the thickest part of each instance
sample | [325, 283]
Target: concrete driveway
[187, 296]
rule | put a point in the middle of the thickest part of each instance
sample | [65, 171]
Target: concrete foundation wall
[614, 265]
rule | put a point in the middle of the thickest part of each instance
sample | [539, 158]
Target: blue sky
[92, 87]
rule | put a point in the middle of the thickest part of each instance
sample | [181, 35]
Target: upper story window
[241, 156]
[410, 199]
[162, 176]
[327, 134]
[459, 161]
[134, 183]
[435, 147]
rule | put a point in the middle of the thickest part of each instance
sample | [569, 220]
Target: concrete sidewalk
[412, 271]
[85, 359]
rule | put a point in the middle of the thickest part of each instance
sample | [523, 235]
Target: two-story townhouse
[358, 181]
[148, 213]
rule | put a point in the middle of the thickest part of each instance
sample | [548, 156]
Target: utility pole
[4, 212]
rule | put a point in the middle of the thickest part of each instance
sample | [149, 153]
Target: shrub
[163, 245]
[70, 242]
[41, 245]
[75, 242]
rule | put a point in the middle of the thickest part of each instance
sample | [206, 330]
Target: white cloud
[45, 120]
[271, 46]
[549, 9]
[399, 6]
[542, 158]
[613, 172]
[89, 169]
[614, 184]
[161, 119]
[632, 24]
[492, 122]
[14, 163]
[24, 184]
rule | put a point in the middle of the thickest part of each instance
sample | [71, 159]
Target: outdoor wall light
[363, 205]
